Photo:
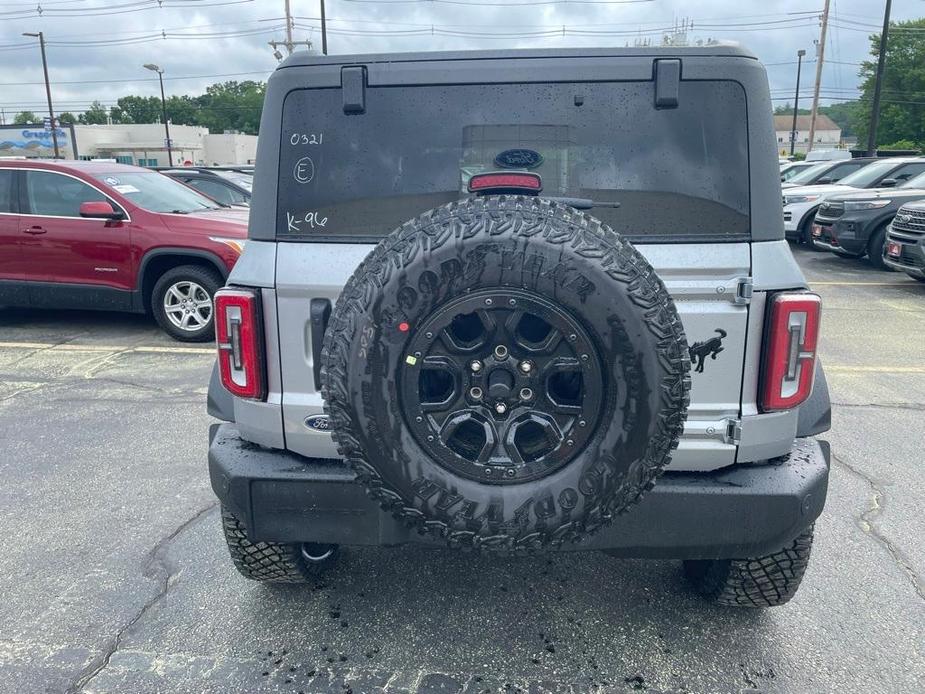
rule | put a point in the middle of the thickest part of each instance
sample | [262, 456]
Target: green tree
[182, 110]
[26, 118]
[67, 117]
[232, 106]
[95, 115]
[901, 144]
[139, 109]
[902, 106]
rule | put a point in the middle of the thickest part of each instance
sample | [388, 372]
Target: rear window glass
[676, 173]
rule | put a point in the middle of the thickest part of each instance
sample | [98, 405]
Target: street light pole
[160, 77]
[324, 32]
[796, 102]
[878, 84]
[51, 113]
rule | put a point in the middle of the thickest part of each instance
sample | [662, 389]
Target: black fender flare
[809, 213]
[815, 415]
[219, 402]
[161, 251]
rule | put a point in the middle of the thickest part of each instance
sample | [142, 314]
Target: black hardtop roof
[720, 50]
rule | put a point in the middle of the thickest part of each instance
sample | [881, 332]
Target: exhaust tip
[316, 553]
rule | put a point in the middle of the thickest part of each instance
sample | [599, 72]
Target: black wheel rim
[501, 386]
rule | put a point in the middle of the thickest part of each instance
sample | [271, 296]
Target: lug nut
[511, 472]
[500, 352]
[526, 393]
[526, 367]
[476, 366]
[500, 408]
[476, 393]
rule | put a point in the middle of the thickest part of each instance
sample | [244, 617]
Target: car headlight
[236, 244]
[854, 205]
[791, 199]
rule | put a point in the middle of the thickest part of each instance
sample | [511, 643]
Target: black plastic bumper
[743, 511]
[911, 259]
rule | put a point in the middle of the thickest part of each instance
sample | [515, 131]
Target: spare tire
[506, 373]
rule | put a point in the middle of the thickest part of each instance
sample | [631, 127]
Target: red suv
[96, 235]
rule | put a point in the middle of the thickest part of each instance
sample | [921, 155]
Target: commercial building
[142, 144]
[826, 136]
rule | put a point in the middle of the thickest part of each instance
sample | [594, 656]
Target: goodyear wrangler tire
[505, 373]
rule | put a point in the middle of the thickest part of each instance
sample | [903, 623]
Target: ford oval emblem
[519, 159]
[318, 422]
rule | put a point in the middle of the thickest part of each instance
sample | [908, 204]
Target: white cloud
[771, 29]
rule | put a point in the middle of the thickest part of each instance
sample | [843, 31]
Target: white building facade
[827, 135]
[141, 145]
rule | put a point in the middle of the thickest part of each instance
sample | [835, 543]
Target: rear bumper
[744, 511]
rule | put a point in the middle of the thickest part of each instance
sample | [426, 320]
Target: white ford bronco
[521, 301]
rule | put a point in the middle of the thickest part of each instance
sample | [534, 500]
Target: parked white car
[801, 203]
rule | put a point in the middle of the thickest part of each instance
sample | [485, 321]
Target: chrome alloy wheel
[188, 306]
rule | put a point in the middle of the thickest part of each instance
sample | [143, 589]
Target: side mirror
[888, 183]
[824, 180]
[100, 209]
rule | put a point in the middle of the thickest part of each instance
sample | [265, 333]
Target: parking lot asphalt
[116, 578]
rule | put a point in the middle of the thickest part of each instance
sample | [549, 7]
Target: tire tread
[765, 581]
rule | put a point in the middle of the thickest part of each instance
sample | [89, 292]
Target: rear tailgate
[709, 285]
[682, 142]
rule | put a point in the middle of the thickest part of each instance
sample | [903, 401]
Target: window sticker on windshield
[111, 180]
[125, 188]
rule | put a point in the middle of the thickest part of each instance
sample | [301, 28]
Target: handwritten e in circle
[304, 170]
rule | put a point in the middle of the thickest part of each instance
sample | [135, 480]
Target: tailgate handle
[353, 85]
[667, 82]
[319, 312]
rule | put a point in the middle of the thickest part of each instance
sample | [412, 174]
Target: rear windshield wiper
[582, 203]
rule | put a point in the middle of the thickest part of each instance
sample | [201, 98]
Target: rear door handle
[36, 230]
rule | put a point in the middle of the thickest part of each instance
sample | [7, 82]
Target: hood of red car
[229, 221]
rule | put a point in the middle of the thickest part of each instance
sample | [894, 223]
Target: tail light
[790, 350]
[240, 343]
[506, 182]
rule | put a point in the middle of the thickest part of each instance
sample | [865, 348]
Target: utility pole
[288, 28]
[167, 142]
[289, 44]
[820, 57]
[324, 32]
[51, 113]
[881, 65]
[796, 102]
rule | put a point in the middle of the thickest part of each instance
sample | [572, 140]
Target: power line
[124, 8]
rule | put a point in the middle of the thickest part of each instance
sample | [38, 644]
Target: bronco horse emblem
[708, 348]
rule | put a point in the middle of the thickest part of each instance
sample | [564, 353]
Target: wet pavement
[116, 579]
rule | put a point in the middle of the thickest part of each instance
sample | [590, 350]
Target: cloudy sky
[96, 48]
